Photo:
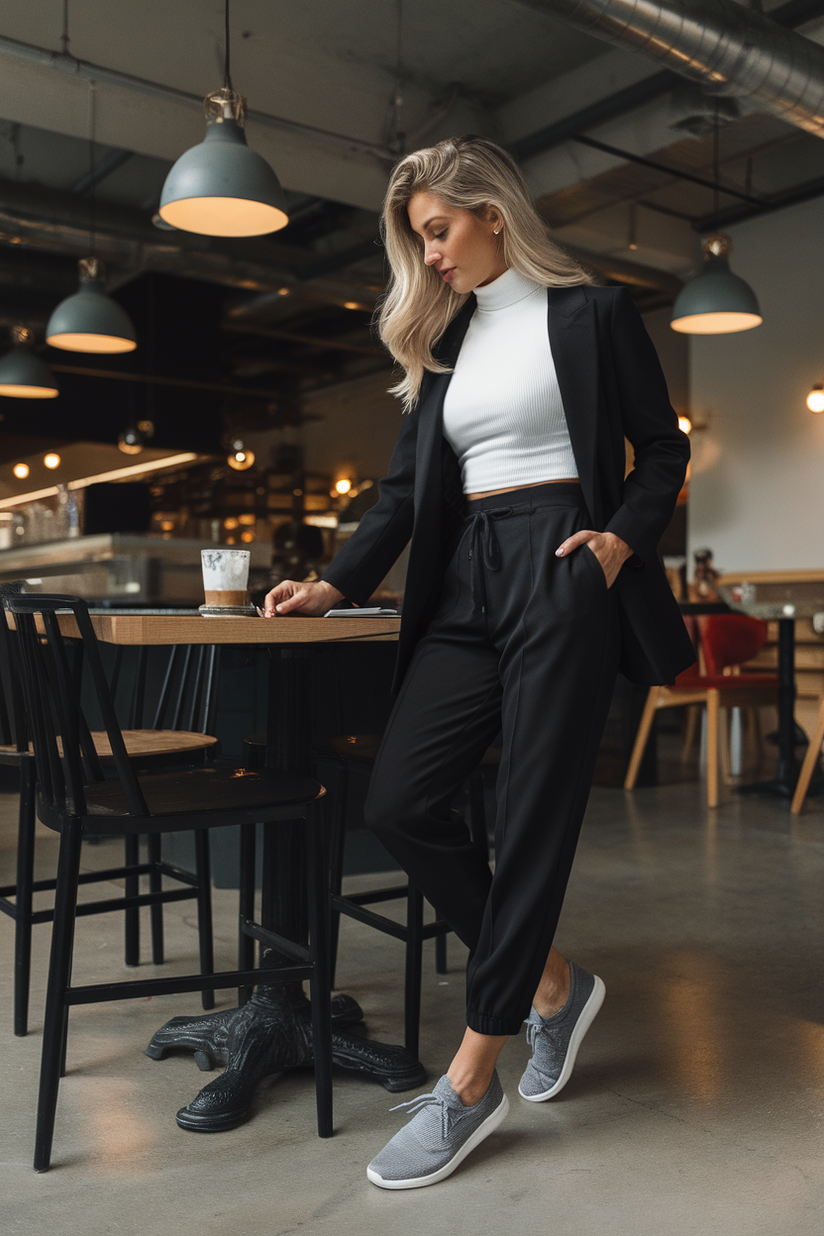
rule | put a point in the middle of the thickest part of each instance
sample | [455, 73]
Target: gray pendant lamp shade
[23, 375]
[716, 302]
[90, 321]
[221, 187]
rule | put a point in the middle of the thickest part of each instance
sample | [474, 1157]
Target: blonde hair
[468, 173]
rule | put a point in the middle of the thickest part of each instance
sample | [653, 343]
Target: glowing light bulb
[52, 460]
[685, 424]
[815, 399]
[21, 471]
[343, 486]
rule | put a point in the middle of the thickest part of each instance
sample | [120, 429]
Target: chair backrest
[187, 693]
[63, 747]
[13, 726]
[731, 639]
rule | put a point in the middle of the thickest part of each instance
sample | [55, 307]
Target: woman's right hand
[310, 600]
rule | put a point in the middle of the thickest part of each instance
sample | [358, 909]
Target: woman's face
[462, 246]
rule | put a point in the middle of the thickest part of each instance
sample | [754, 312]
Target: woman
[532, 579]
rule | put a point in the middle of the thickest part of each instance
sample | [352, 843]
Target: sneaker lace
[430, 1100]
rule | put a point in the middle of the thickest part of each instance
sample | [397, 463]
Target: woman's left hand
[608, 548]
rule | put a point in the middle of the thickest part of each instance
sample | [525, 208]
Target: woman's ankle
[470, 1073]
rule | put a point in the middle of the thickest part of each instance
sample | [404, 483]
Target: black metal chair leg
[68, 871]
[24, 898]
[336, 849]
[156, 886]
[414, 959]
[246, 904]
[320, 987]
[203, 867]
[132, 888]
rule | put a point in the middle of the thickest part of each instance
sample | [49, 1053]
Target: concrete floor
[696, 1107]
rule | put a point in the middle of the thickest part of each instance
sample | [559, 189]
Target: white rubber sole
[419, 1182]
[588, 1014]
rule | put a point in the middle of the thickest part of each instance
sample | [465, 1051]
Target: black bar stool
[75, 799]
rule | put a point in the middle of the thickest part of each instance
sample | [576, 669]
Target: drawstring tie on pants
[483, 544]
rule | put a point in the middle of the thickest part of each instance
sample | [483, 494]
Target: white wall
[757, 489]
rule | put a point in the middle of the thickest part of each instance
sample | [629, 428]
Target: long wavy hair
[469, 173]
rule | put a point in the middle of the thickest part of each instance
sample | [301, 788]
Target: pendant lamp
[90, 321]
[221, 187]
[716, 302]
[23, 375]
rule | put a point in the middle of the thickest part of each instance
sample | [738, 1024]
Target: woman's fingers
[280, 595]
[573, 542]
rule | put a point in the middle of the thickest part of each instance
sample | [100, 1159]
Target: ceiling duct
[732, 50]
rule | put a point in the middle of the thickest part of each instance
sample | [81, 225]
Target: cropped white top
[503, 415]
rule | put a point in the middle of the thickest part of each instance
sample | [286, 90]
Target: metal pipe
[730, 49]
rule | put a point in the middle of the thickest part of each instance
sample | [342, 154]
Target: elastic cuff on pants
[484, 1023]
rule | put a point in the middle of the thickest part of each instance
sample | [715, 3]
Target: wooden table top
[194, 629]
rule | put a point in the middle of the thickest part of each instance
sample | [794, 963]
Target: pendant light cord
[93, 202]
[227, 76]
[396, 138]
[715, 211]
[64, 38]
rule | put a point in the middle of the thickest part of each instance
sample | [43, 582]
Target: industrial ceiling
[618, 155]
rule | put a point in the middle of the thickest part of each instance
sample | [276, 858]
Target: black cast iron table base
[271, 1034]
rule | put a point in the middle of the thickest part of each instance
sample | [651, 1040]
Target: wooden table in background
[272, 1032]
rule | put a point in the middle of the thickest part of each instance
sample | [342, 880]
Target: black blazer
[611, 385]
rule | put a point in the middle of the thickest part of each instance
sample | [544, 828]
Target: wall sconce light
[815, 399]
[21, 471]
[52, 460]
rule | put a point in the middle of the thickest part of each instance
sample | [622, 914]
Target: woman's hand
[608, 548]
[310, 600]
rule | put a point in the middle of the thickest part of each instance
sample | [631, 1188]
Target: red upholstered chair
[728, 641]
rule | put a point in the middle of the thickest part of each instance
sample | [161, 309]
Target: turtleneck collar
[506, 290]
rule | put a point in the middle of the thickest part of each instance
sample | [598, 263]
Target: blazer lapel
[574, 342]
[430, 427]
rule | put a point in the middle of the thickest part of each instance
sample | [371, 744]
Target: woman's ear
[494, 218]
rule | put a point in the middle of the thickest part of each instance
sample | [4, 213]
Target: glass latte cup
[225, 576]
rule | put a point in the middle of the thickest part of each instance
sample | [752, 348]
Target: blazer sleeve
[380, 538]
[650, 423]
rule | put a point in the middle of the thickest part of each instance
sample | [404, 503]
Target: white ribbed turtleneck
[503, 415]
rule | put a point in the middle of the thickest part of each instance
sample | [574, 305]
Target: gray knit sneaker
[438, 1138]
[555, 1040]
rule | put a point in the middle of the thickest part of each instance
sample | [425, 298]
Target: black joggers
[526, 643]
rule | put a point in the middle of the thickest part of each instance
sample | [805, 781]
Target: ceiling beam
[289, 336]
[112, 161]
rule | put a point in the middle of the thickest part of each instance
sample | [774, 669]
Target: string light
[52, 460]
[21, 471]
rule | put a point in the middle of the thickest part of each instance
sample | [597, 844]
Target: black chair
[75, 799]
[187, 695]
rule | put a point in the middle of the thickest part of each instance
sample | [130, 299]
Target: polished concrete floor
[696, 1107]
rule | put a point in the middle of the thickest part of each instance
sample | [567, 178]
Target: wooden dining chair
[75, 799]
[728, 640]
[810, 761]
[146, 746]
